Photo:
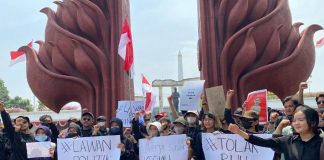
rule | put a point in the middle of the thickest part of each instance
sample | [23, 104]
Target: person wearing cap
[159, 116]
[165, 126]
[180, 126]
[250, 121]
[87, 128]
[193, 124]
[101, 121]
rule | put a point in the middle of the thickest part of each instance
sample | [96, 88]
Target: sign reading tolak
[164, 148]
[233, 147]
[89, 148]
[190, 95]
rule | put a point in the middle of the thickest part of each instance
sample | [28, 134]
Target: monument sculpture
[78, 60]
[247, 45]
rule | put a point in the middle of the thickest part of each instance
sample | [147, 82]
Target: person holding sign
[208, 126]
[18, 135]
[306, 144]
[126, 146]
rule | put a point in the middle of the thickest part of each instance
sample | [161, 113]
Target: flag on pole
[146, 87]
[320, 42]
[125, 49]
[18, 56]
[148, 92]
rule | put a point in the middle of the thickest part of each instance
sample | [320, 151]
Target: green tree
[41, 106]
[4, 93]
[18, 102]
[29, 108]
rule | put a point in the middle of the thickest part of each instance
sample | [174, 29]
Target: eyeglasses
[320, 102]
[86, 119]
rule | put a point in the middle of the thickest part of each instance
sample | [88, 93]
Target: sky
[160, 28]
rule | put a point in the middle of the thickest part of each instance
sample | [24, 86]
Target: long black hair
[311, 116]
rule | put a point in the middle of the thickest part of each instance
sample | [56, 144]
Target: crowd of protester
[297, 131]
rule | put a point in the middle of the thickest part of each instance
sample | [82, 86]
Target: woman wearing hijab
[126, 146]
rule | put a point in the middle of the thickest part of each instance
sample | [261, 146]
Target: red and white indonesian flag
[18, 56]
[320, 42]
[125, 49]
[148, 92]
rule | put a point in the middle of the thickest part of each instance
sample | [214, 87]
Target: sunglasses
[320, 102]
[86, 119]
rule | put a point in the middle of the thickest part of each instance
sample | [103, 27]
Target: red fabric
[129, 58]
[16, 54]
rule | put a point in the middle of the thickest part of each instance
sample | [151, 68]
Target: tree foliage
[16, 102]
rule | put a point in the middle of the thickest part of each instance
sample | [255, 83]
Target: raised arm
[228, 107]
[302, 87]
[269, 143]
[9, 129]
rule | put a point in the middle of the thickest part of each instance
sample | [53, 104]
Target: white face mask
[178, 130]
[101, 124]
[191, 120]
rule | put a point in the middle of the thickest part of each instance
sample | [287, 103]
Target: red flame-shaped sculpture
[78, 60]
[248, 45]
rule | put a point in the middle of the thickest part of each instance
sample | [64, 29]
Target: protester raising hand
[95, 130]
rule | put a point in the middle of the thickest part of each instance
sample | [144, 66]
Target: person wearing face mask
[46, 120]
[43, 134]
[250, 121]
[305, 144]
[73, 131]
[193, 124]
[101, 120]
[126, 146]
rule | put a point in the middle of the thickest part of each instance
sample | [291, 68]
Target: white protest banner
[38, 149]
[127, 109]
[190, 95]
[99, 148]
[165, 147]
[232, 146]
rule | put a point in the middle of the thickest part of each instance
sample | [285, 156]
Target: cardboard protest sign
[257, 101]
[190, 95]
[38, 149]
[216, 100]
[127, 109]
[231, 146]
[100, 148]
[165, 147]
